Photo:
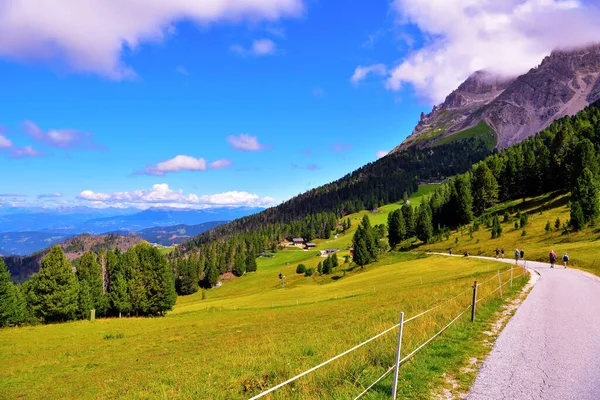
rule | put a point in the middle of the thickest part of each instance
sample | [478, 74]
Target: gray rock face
[515, 108]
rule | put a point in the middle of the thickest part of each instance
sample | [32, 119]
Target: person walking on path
[497, 253]
[552, 256]
[523, 255]
[565, 259]
[517, 256]
[502, 251]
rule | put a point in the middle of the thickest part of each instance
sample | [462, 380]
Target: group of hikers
[521, 254]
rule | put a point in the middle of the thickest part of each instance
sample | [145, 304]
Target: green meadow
[253, 332]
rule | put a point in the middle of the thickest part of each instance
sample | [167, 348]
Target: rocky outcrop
[515, 108]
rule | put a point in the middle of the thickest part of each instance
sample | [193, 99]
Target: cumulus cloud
[5, 143]
[381, 154]
[341, 147]
[507, 37]
[361, 73]
[262, 47]
[49, 195]
[91, 35]
[221, 164]
[25, 152]
[66, 139]
[175, 164]
[162, 195]
[245, 142]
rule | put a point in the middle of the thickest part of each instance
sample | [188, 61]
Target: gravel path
[550, 349]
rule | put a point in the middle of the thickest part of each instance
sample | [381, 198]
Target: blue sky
[284, 95]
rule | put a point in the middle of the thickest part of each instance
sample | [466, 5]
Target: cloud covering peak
[505, 36]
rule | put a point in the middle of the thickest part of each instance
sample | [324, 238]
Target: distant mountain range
[25, 230]
[510, 109]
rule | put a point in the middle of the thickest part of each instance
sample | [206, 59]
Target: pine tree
[320, 268]
[423, 224]
[577, 220]
[251, 262]
[89, 273]
[396, 228]
[212, 272]
[158, 279]
[369, 236]
[86, 300]
[462, 199]
[119, 294]
[239, 266]
[485, 188]
[11, 309]
[361, 256]
[496, 227]
[409, 220]
[585, 194]
[54, 289]
[326, 267]
[334, 261]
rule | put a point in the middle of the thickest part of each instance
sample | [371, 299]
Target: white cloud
[262, 47]
[221, 164]
[508, 37]
[91, 35]
[175, 164]
[49, 195]
[381, 154]
[162, 195]
[245, 142]
[361, 72]
[25, 151]
[67, 139]
[5, 143]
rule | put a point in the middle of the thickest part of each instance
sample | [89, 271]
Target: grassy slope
[583, 247]
[251, 333]
[482, 130]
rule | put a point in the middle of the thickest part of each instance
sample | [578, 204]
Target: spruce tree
[462, 198]
[212, 271]
[334, 261]
[54, 289]
[119, 294]
[423, 224]
[396, 228]
[361, 256]
[160, 295]
[326, 267]
[251, 262]
[239, 266]
[585, 194]
[409, 220]
[89, 274]
[485, 188]
[370, 238]
[11, 309]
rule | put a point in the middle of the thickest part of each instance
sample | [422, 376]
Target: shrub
[523, 220]
[557, 223]
[309, 272]
[548, 228]
[300, 269]
[506, 216]
[524, 233]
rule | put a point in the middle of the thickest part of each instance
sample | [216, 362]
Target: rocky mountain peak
[514, 108]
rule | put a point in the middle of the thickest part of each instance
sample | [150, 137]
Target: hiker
[466, 254]
[522, 254]
[497, 253]
[450, 251]
[552, 256]
[565, 259]
[517, 254]
[502, 251]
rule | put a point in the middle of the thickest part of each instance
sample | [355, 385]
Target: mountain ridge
[514, 108]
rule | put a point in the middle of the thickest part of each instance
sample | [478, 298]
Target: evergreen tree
[423, 224]
[11, 308]
[54, 289]
[251, 262]
[409, 221]
[585, 194]
[577, 220]
[212, 272]
[485, 188]
[89, 274]
[119, 294]
[370, 238]
[496, 227]
[239, 266]
[320, 268]
[361, 256]
[160, 295]
[396, 228]
[334, 261]
[326, 267]
[463, 200]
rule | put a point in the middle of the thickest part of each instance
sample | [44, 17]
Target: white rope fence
[403, 322]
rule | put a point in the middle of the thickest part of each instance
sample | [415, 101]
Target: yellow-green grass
[165, 250]
[583, 247]
[481, 130]
[230, 346]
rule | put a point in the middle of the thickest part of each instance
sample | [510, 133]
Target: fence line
[406, 358]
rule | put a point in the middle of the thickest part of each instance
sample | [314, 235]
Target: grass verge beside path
[206, 353]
